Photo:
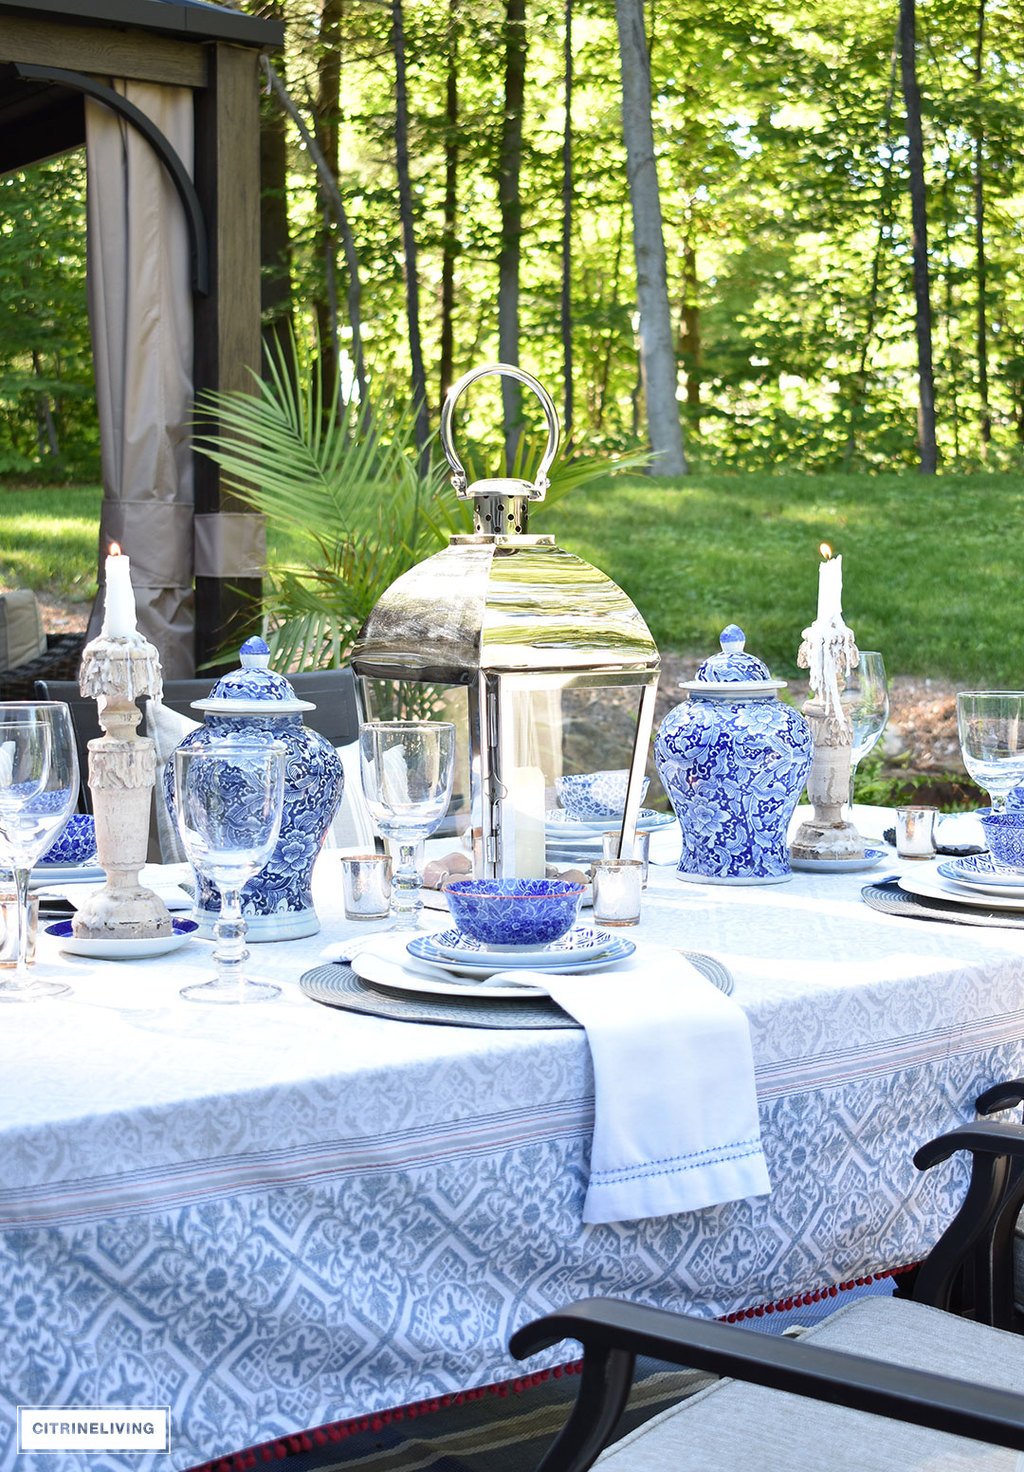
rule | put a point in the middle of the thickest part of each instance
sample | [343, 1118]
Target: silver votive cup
[639, 849]
[915, 832]
[9, 928]
[366, 886]
[618, 884]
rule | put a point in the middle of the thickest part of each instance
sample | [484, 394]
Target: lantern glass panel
[410, 700]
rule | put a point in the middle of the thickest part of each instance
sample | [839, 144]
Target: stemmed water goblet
[38, 791]
[991, 728]
[228, 800]
[406, 769]
[866, 702]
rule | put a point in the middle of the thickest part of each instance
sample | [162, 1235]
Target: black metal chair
[333, 692]
[910, 1362]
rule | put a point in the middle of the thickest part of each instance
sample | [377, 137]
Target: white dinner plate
[872, 856]
[559, 827]
[182, 931]
[932, 886]
[979, 871]
[452, 945]
[66, 874]
[423, 955]
[376, 965]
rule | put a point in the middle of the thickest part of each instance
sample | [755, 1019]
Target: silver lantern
[541, 660]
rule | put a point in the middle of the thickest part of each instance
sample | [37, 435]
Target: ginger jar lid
[254, 689]
[733, 672]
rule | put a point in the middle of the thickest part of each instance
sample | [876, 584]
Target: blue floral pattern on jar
[734, 767]
[278, 902]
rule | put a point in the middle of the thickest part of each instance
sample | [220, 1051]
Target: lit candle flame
[115, 549]
[825, 550]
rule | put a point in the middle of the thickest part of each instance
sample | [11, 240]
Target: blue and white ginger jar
[733, 759]
[254, 703]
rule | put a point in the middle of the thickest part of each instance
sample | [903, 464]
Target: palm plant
[343, 495]
[347, 498]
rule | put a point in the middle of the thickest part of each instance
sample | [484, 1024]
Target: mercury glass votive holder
[366, 886]
[618, 885]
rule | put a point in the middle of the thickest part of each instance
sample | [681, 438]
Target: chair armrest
[607, 1327]
[970, 1270]
[1001, 1096]
[987, 1137]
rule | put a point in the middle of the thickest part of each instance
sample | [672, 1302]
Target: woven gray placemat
[892, 901]
[337, 985]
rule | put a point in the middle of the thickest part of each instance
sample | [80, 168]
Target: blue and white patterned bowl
[593, 796]
[505, 913]
[76, 842]
[1004, 834]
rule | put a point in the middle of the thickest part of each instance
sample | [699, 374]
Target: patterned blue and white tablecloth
[271, 1218]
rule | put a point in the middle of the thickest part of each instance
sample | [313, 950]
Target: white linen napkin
[675, 1110]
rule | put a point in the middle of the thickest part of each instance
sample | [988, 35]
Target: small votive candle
[915, 832]
[366, 886]
[617, 884]
[9, 921]
[640, 848]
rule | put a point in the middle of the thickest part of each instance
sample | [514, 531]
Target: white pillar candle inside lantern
[542, 662]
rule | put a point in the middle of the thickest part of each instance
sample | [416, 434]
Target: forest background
[471, 203]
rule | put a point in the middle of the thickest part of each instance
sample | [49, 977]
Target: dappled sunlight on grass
[930, 564]
[48, 539]
[929, 571]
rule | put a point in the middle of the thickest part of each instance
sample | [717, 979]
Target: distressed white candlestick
[116, 668]
[828, 652]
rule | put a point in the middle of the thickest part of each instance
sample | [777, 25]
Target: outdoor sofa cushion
[732, 1424]
[22, 636]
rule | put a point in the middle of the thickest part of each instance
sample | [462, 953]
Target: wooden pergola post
[227, 319]
[51, 55]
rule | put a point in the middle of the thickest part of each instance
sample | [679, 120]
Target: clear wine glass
[866, 702]
[38, 791]
[227, 800]
[991, 727]
[406, 769]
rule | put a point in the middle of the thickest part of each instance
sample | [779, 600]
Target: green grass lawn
[930, 565]
[48, 539]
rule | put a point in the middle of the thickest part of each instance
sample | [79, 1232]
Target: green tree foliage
[782, 155]
[47, 402]
[782, 161]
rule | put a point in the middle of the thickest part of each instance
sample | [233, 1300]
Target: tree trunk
[412, 286]
[885, 217]
[330, 192]
[275, 238]
[952, 354]
[46, 429]
[449, 238]
[510, 160]
[328, 81]
[656, 355]
[567, 203]
[689, 334]
[981, 263]
[919, 225]
[606, 361]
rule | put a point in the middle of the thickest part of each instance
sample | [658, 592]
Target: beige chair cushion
[735, 1425]
[22, 637]
[167, 729]
[352, 826]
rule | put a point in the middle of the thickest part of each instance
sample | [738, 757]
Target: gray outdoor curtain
[140, 308]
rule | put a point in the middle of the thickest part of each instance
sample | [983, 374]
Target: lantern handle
[460, 480]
